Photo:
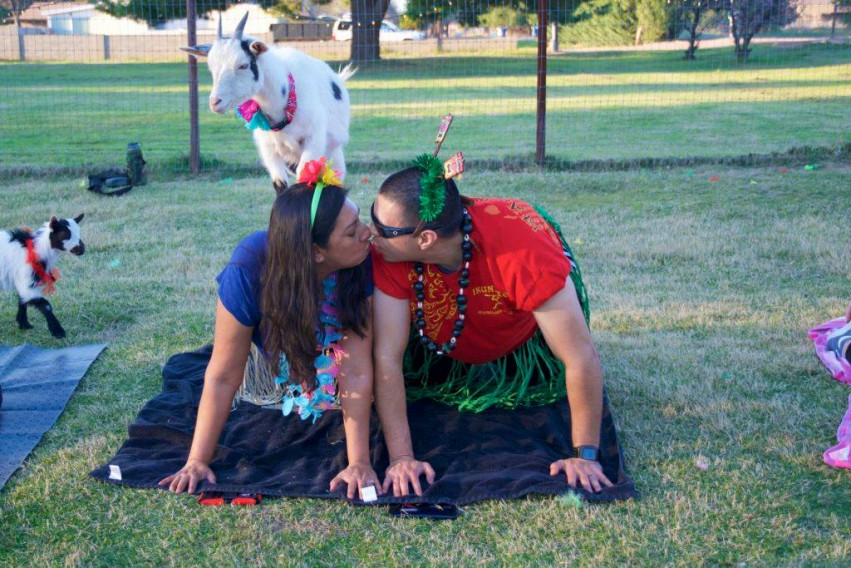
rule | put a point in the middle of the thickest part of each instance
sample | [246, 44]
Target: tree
[16, 7]
[431, 13]
[841, 10]
[366, 25]
[690, 14]
[157, 12]
[505, 17]
[747, 18]
[602, 22]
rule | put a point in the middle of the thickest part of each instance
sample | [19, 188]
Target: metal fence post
[194, 146]
[541, 135]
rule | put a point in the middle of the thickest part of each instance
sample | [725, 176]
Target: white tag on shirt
[115, 472]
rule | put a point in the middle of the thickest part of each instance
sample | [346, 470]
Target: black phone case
[424, 510]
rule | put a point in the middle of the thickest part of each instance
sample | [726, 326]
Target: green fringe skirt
[531, 375]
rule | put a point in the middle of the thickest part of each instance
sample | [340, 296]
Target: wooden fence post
[194, 144]
[541, 134]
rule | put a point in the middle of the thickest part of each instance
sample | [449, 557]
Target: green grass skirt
[531, 375]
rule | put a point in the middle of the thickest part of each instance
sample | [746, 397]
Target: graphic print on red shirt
[518, 264]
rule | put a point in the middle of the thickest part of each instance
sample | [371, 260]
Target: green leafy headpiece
[432, 187]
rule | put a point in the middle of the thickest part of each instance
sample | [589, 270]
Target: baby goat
[27, 262]
[296, 105]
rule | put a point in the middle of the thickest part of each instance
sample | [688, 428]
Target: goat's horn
[198, 50]
[240, 27]
[220, 25]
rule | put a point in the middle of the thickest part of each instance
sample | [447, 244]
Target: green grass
[701, 292]
[601, 106]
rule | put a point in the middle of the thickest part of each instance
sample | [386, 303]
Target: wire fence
[627, 82]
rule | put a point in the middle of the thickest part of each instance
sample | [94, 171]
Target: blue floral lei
[324, 396]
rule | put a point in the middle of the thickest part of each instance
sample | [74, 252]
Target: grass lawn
[609, 105]
[701, 292]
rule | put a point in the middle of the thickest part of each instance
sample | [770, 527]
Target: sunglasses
[389, 232]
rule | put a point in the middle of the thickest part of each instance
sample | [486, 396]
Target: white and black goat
[302, 101]
[27, 262]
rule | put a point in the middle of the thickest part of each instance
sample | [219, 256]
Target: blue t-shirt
[239, 282]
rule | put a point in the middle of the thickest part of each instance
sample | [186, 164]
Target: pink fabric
[840, 454]
[247, 109]
[838, 367]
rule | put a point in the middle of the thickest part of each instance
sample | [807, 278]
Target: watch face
[587, 453]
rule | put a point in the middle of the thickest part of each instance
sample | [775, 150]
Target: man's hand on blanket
[189, 476]
[404, 471]
[848, 312]
[356, 477]
[588, 473]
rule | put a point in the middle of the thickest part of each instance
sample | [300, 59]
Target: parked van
[389, 32]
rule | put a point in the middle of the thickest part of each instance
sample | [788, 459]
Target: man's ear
[426, 239]
[258, 47]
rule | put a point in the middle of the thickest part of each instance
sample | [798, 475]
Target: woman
[303, 291]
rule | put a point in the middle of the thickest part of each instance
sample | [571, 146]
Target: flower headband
[435, 174]
[318, 174]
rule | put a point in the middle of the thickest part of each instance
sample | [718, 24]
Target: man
[491, 290]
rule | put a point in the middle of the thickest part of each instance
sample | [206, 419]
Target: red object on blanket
[214, 499]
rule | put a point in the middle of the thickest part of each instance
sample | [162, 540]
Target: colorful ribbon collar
[43, 278]
[255, 118]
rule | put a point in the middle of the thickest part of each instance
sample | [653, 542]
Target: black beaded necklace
[460, 300]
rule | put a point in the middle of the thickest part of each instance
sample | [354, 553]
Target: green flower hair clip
[432, 187]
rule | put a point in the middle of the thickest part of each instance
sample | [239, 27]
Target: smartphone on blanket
[424, 510]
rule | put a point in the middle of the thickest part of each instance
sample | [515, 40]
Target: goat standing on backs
[297, 106]
[27, 265]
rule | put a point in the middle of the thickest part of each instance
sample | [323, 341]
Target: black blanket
[497, 454]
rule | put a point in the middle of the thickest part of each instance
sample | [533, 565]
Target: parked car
[389, 32]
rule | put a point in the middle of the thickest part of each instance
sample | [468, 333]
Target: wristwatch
[590, 453]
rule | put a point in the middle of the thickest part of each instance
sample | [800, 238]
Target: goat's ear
[198, 50]
[53, 221]
[258, 47]
[79, 218]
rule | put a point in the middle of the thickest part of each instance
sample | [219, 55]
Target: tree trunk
[833, 23]
[693, 44]
[21, 49]
[554, 39]
[438, 33]
[366, 25]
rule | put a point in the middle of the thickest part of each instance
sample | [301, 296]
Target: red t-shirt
[518, 264]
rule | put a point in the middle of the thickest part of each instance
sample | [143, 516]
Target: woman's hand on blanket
[357, 477]
[189, 476]
[406, 471]
[588, 473]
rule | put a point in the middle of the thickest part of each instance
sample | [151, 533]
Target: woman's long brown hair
[291, 298]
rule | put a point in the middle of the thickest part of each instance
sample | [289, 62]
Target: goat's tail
[347, 72]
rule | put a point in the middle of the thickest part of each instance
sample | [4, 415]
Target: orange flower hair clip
[318, 174]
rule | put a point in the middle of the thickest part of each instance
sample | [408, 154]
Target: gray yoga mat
[37, 384]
